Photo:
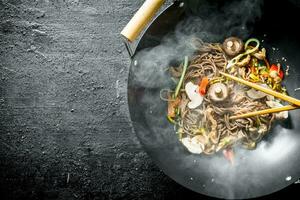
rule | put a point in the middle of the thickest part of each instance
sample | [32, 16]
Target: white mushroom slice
[255, 94]
[273, 104]
[195, 144]
[193, 94]
[280, 115]
[270, 98]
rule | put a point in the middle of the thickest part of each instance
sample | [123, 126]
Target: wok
[274, 164]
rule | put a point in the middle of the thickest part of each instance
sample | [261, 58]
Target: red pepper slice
[229, 155]
[203, 85]
[274, 69]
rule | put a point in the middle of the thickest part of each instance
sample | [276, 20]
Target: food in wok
[202, 100]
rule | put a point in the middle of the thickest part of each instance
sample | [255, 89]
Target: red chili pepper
[229, 155]
[275, 70]
[203, 85]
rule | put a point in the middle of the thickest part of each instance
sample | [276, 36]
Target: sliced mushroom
[255, 94]
[218, 92]
[233, 46]
[282, 115]
[270, 98]
[192, 92]
[276, 104]
[194, 145]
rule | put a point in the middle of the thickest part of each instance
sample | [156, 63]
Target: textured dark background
[64, 126]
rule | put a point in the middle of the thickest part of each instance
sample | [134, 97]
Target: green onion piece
[249, 51]
[258, 120]
[185, 64]
[171, 120]
[236, 59]
[177, 111]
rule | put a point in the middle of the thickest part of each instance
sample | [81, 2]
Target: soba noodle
[209, 123]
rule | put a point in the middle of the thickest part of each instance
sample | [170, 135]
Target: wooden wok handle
[141, 18]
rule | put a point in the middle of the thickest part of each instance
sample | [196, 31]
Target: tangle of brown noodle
[208, 62]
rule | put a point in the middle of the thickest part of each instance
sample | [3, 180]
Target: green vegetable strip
[171, 120]
[185, 64]
[255, 48]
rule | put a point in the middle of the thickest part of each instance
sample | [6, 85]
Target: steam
[153, 63]
[280, 148]
[219, 19]
[210, 21]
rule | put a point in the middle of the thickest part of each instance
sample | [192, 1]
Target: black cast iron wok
[273, 165]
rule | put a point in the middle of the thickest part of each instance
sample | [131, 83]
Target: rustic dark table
[65, 131]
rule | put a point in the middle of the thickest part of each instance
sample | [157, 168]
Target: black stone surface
[65, 132]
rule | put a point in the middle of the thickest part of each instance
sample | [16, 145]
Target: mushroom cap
[255, 94]
[233, 46]
[218, 92]
[195, 144]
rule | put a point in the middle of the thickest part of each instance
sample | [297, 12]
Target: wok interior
[271, 167]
